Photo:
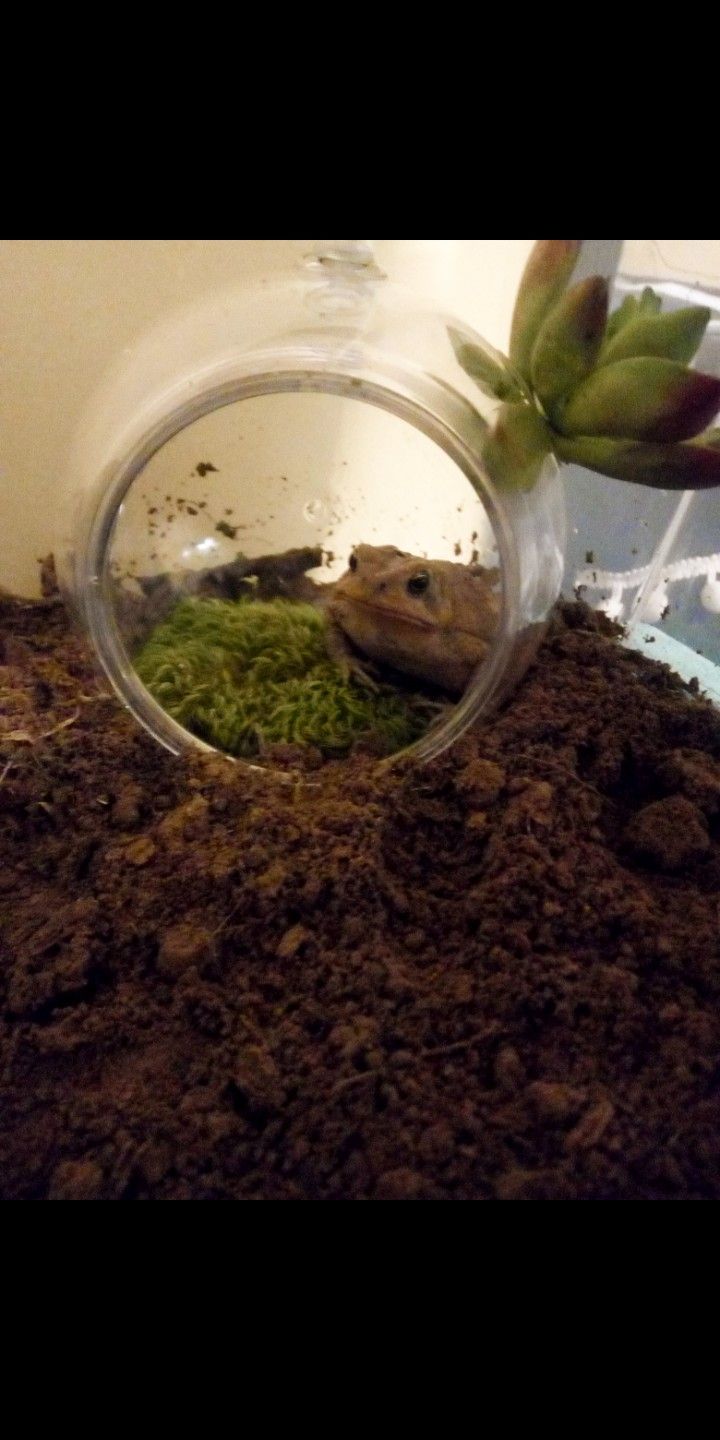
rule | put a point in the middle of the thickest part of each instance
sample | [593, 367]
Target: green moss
[244, 675]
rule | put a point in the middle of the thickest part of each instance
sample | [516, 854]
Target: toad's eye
[353, 562]
[419, 584]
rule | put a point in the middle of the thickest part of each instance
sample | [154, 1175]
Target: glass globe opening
[284, 534]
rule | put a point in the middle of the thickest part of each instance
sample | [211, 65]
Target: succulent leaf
[570, 340]
[650, 302]
[488, 368]
[675, 336]
[626, 314]
[641, 399]
[664, 467]
[546, 276]
[517, 446]
[633, 308]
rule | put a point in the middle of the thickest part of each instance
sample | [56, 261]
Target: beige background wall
[696, 262]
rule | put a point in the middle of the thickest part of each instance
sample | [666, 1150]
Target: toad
[430, 619]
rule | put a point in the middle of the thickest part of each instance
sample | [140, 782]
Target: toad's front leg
[345, 657]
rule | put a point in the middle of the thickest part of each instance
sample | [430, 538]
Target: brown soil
[495, 977]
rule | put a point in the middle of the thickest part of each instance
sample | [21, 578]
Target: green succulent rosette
[611, 392]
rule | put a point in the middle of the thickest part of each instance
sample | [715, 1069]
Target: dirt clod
[80, 1180]
[670, 833]
[182, 947]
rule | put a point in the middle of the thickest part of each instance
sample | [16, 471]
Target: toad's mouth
[417, 622]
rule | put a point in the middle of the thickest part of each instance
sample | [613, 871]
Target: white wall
[694, 262]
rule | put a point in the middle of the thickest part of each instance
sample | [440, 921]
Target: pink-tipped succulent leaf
[664, 467]
[545, 278]
[570, 340]
[641, 399]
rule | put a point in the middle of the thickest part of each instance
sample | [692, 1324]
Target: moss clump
[247, 674]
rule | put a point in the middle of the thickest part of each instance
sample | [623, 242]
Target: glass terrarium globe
[239, 455]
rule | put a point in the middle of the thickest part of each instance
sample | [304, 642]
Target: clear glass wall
[648, 555]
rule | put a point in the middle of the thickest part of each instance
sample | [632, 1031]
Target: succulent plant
[612, 392]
